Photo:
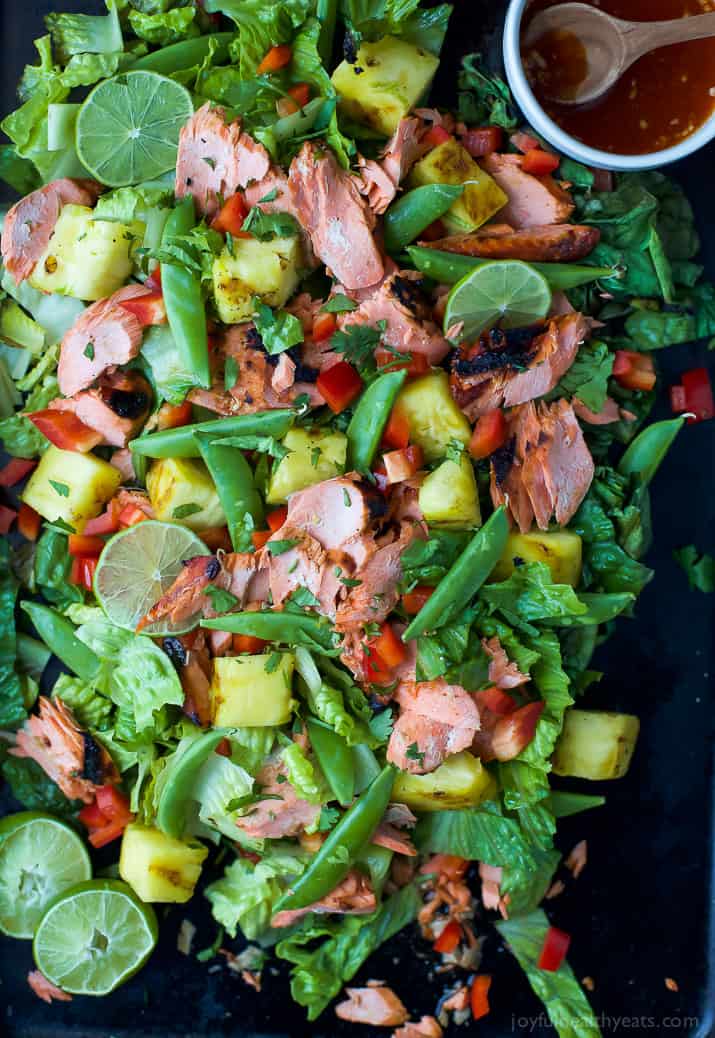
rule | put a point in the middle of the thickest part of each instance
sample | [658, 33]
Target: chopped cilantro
[60, 488]
[266, 226]
[281, 547]
[88, 351]
[338, 304]
[230, 373]
[358, 342]
[221, 600]
[184, 511]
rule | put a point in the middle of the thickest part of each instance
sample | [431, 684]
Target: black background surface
[642, 909]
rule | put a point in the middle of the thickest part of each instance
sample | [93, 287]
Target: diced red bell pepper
[276, 518]
[323, 326]
[107, 834]
[449, 938]
[553, 952]
[479, 995]
[413, 600]
[148, 310]
[29, 522]
[130, 515]
[403, 464]
[436, 136]
[488, 435]
[286, 106]
[300, 94]
[230, 217]
[172, 416]
[224, 747]
[92, 817]
[376, 670]
[154, 279]
[524, 142]
[634, 370]
[397, 430]
[698, 394]
[259, 538]
[107, 522]
[15, 471]
[539, 163]
[247, 643]
[516, 730]
[82, 571]
[434, 231]
[7, 518]
[496, 700]
[84, 546]
[113, 804]
[418, 363]
[339, 386]
[276, 58]
[389, 646]
[65, 430]
[483, 140]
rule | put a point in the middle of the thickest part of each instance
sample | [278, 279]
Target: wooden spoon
[612, 45]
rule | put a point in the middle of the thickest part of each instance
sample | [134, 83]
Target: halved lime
[505, 292]
[40, 857]
[137, 566]
[128, 127]
[94, 937]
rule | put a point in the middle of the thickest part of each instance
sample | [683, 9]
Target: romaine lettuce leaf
[29, 784]
[165, 28]
[12, 708]
[219, 782]
[478, 834]
[245, 895]
[91, 709]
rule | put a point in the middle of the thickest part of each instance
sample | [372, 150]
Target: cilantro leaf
[184, 511]
[221, 600]
[278, 329]
[338, 304]
[266, 226]
[358, 342]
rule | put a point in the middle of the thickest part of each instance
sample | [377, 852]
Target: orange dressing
[661, 99]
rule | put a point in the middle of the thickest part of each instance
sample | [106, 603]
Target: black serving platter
[643, 909]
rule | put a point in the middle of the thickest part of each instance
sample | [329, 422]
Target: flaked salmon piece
[245, 575]
[389, 836]
[283, 375]
[352, 896]
[399, 815]
[45, 989]
[405, 504]
[29, 224]
[377, 594]
[185, 598]
[286, 815]
[404, 148]
[332, 211]
[554, 353]
[491, 878]
[137, 499]
[503, 737]
[555, 243]
[302, 565]
[436, 720]
[220, 643]
[65, 752]
[216, 158]
[375, 184]
[503, 672]
[117, 407]
[378, 1006]
[458, 1001]
[427, 1027]
[409, 326]
[104, 335]
[123, 462]
[190, 656]
[533, 201]
[610, 412]
[336, 512]
[261, 194]
[577, 859]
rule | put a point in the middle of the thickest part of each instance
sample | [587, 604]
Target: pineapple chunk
[450, 163]
[387, 79]
[462, 781]
[70, 486]
[595, 744]
[314, 456]
[433, 415]
[158, 867]
[449, 495]
[86, 258]
[175, 484]
[559, 549]
[247, 692]
[267, 269]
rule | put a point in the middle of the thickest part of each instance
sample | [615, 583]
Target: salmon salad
[324, 400]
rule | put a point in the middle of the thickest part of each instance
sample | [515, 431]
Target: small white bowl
[564, 142]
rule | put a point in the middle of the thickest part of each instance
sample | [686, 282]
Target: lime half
[505, 292]
[128, 127]
[94, 937]
[137, 566]
[40, 857]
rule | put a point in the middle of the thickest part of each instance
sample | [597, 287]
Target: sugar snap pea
[176, 792]
[370, 418]
[182, 443]
[335, 759]
[185, 54]
[449, 267]
[183, 300]
[236, 490]
[646, 452]
[59, 636]
[315, 632]
[409, 215]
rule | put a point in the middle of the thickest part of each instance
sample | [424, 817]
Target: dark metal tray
[642, 910]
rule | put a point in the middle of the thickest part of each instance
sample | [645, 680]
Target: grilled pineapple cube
[462, 781]
[251, 691]
[86, 258]
[70, 486]
[450, 163]
[158, 867]
[314, 456]
[435, 420]
[595, 744]
[181, 490]
[448, 496]
[267, 269]
[561, 550]
[387, 79]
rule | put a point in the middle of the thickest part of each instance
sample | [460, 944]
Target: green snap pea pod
[59, 636]
[185, 54]
[183, 300]
[646, 452]
[32, 655]
[314, 632]
[450, 267]
[234, 484]
[408, 216]
[335, 758]
[326, 12]
[376, 860]
[370, 418]
[601, 608]
[182, 443]
[176, 794]
[352, 835]
[366, 767]
[462, 581]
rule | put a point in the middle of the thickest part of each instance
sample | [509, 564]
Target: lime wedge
[40, 857]
[128, 127]
[505, 292]
[137, 566]
[94, 937]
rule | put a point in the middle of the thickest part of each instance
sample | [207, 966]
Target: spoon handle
[646, 36]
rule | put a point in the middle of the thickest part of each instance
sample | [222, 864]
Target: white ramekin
[564, 142]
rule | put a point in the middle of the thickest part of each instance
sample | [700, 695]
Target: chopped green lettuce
[245, 895]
